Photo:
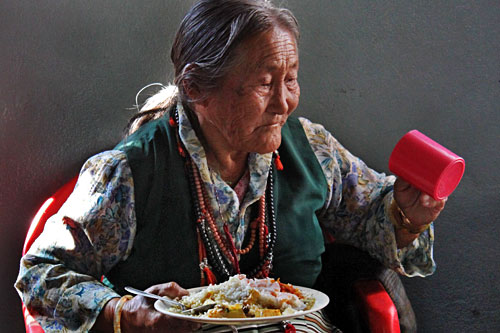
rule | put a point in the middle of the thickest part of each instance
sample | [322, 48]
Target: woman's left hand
[419, 208]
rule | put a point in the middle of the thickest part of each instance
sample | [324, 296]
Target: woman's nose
[281, 99]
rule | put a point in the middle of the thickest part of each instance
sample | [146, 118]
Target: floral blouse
[59, 278]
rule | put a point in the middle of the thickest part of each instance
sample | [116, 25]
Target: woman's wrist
[405, 232]
[118, 313]
[402, 222]
[104, 322]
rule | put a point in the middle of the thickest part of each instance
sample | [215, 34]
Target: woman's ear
[191, 89]
[197, 98]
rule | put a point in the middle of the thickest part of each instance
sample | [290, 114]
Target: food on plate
[241, 297]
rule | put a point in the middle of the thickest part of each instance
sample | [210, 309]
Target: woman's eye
[266, 86]
[291, 83]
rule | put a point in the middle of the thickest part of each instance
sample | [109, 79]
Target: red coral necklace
[217, 252]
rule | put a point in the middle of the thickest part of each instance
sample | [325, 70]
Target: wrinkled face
[247, 112]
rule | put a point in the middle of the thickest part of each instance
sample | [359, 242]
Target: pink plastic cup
[427, 165]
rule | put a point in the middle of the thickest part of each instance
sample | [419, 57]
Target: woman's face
[254, 100]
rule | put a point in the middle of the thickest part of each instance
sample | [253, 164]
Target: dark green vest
[165, 245]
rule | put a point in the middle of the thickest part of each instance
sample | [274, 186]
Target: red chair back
[376, 306]
[49, 208]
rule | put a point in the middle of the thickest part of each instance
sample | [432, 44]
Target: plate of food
[242, 301]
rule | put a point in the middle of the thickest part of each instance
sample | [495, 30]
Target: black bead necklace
[216, 261]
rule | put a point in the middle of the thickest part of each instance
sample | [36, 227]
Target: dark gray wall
[370, 71]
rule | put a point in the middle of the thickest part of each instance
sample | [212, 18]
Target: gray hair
[203, 50]
[204, 47]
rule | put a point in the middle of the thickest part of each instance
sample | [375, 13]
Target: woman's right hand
[139, 314]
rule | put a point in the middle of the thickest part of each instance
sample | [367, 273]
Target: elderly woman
[217, 179]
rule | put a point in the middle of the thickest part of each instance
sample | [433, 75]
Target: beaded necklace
[217, 252]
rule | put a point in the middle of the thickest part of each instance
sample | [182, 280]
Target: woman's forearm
[404, 238]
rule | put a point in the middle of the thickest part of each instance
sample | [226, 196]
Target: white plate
[321, 301]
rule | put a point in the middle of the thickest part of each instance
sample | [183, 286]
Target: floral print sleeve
[357, 207]
[59, 276]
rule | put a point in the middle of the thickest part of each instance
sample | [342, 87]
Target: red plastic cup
[426, 165]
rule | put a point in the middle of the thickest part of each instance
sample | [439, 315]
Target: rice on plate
[240, 297]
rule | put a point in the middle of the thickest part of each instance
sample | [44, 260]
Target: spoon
[150, 295]
[192, 311]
